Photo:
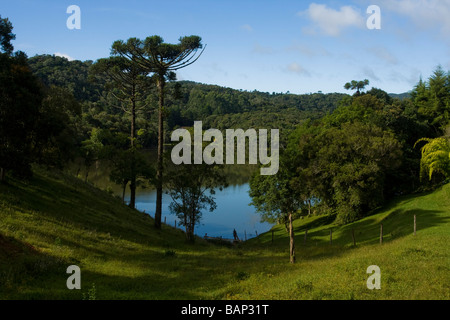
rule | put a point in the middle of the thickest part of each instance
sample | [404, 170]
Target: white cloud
[330, 21]
[368, 72]
[424, 13]
[212, 70]
[298, 69]
[383, 54]
[309, 50]
[257, 48]
[410, 76]
[23, 46]
[247, 28]
[63, 55]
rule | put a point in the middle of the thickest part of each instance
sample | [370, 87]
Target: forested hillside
[348, 153]
[216, 106]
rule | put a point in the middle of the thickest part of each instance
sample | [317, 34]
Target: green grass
[55, 220]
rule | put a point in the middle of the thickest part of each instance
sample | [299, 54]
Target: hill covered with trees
[218, 107]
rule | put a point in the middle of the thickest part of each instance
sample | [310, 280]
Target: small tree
[192, 189]
[122, 174]
[91, 149]
[275, 198]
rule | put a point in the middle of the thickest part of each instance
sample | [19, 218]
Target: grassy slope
[55, 221]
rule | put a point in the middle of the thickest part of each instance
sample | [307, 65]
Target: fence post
[381, 233]
[165, 220]
[414, 224]
[306, 234]
[175, 224]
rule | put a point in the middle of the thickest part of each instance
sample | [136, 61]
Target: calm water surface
[233, 212]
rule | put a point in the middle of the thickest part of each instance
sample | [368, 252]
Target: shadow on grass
[22, 264]
[320, 244]
[396, 224]
[325, 220]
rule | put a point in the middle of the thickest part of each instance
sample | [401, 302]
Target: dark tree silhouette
[128, 81]
[21, 97]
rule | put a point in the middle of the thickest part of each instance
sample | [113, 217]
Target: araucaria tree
[356, 85]
[128, 82]
[162, 59]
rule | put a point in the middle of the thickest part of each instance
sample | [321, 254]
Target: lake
[233, 210]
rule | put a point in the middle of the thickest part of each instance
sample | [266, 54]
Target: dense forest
[104, 122]
[407, 119]
[365, 152]
[216, 106]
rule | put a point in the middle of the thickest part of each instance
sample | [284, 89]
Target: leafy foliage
[192, 189]
[435, 157]
[19, 109]
[432, 99]
[6, 36]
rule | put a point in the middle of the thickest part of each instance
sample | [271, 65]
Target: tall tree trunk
[124, 187]
[132, 203]
[159, 170]
[291, 237]
[185, 223]
[191, 222]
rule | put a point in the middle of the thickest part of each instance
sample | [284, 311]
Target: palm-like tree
[356, 85]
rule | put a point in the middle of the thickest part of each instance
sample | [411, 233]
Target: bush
[242, 275]
[169, 253]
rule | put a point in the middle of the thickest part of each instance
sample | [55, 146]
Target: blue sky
[270, 46]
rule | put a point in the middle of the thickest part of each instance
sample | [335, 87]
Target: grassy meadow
[55, 220]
